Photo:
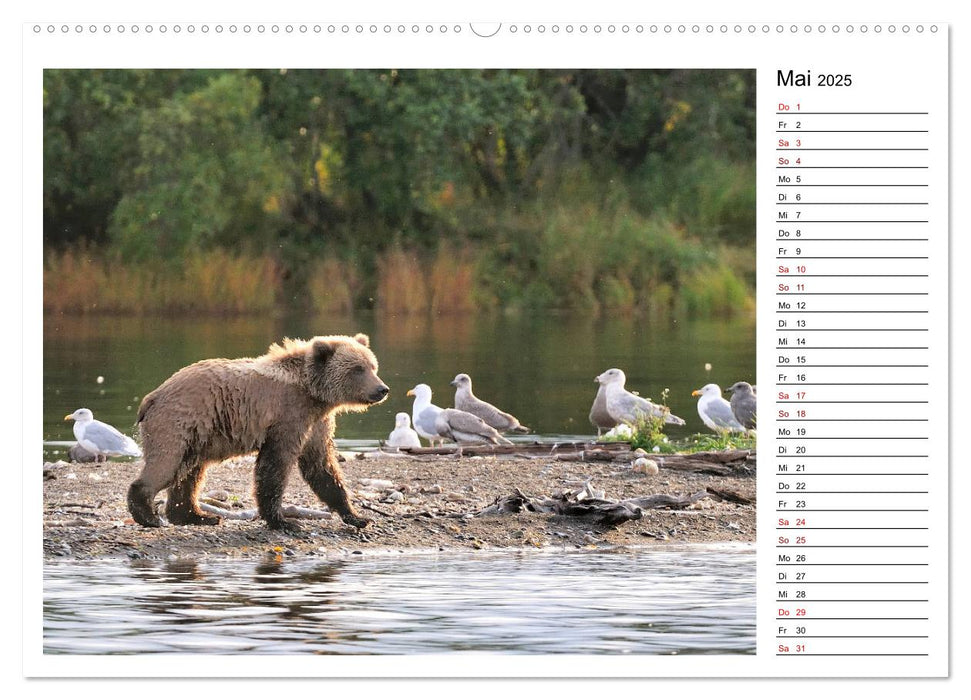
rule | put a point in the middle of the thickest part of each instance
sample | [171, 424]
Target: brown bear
[282, 404]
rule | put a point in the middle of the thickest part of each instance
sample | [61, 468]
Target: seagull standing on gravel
[99, 438]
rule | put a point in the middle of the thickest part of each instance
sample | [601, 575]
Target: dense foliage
[583, 189]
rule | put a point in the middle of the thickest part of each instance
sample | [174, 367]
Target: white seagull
[99, 438]
[715, 411]
[435, 423]
[625, 407]
[403, 435]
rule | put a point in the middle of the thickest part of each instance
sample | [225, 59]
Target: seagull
[715, 411]
[435, 423]
[403, 435]
[466, 401]
[99, 438]
[599, 417]
[743, 404]
[625, 407]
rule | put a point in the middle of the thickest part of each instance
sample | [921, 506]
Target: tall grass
[401, 285]
[333, 285]
[210, 282]
[452, 279]
[406, 284]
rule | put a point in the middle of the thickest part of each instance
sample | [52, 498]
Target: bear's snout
[379, 394]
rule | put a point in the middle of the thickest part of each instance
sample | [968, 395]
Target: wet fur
[282, 404]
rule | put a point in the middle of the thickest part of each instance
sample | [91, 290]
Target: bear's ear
[363, 340]
[322, 351]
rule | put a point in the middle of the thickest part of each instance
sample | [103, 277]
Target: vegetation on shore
[407, 191]
[648, 434]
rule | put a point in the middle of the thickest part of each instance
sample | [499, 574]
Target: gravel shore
[415, 502]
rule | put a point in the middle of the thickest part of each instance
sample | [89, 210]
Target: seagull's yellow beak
[696, 392]
[69, 416]
[410, 393]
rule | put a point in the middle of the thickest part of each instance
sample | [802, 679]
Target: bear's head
[342, 372]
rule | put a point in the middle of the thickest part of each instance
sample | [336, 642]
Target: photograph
[399, 361]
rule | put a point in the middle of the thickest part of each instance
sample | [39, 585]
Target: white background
[602, 12]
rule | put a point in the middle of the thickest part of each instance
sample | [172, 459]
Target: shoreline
[427, 504]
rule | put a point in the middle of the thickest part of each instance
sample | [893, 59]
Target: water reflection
[540, 367]
[645, 602]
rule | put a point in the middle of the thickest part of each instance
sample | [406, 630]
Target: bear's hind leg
[181, 507]
[320, 469]
[141, 495]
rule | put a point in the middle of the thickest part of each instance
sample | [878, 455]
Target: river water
[540, 367]
[675, 600]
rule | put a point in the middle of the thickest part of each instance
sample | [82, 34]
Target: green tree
[205, 174]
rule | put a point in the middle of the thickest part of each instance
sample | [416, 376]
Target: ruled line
[854, 114]
[797, 274]
[882, 148]
[849, 204]
[841, 240]
[852, 167]
[850, 636]
[854, 311]
[874, 184]
[851, 294]
[850, 221]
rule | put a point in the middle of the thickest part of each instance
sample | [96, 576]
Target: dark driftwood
[718, 463]
[663, 501]
[602, 511]
[731, 496]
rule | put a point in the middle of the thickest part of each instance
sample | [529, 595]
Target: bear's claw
[356, 520]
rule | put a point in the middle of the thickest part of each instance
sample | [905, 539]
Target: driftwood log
[719, 463]
[252, 513]
[581, 504]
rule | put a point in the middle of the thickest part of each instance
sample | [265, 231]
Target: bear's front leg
[321, 470]
[273, 464]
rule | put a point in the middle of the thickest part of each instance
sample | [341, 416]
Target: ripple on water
[688, 600]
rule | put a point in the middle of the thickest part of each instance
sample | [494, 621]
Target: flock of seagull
[473, 420]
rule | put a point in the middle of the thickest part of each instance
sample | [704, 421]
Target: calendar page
[267, 257]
